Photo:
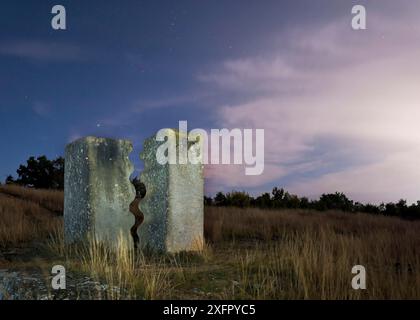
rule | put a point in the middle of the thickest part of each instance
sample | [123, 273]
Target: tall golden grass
[309, 255]
[262, 254]
[23, 221]
[52, 200]
[126, 273]
[249, 254]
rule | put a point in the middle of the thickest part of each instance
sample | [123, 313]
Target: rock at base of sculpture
[98, 191]
[173, 206]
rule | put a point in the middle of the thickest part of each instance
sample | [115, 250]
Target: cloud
[42, 109]
[340, 109]
[142, 105]
[394, 177]
[41, 51]
[129, 115]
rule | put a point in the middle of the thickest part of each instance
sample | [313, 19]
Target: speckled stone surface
[97, 190]
[173, 205]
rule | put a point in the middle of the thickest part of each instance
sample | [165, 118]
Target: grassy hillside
[249, 254]
[51, 200]
[26, 215]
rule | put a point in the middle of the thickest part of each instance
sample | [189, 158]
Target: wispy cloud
[42, 109]
[142, 105]
[129, 114]
[41, 50]
[339, 109]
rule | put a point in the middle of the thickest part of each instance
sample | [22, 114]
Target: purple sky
[340, 108]
[341, 105]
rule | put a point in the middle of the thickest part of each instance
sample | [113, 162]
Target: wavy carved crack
[135, 210]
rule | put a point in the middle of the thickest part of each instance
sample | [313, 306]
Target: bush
[281, 199]
[41, 173]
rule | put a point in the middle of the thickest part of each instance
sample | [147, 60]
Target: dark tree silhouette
[281, 199]
[42, 173]
[208, 201]
[10, 180]
[335, 201]
[220, 199]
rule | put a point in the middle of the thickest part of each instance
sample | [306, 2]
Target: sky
[340, 108]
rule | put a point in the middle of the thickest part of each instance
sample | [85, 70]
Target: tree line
[281, 199]
[42, 173]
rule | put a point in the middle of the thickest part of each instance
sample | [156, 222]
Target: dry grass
[309, 255]
[249, 254]
[127, 274]
[52, 200]
[23, 221]
[260, 254]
